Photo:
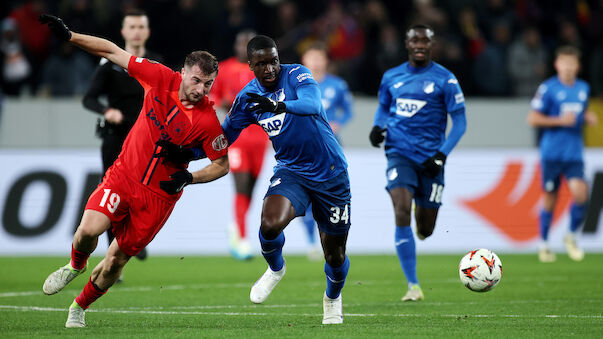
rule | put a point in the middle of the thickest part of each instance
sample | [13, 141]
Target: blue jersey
[336, 99]
[554, 99]
[302, 139]
[415, 102]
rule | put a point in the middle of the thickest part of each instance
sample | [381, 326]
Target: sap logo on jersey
[408, 107]
[273, 125]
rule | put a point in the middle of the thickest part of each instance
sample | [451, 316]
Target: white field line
[361, 315]
[248, 285]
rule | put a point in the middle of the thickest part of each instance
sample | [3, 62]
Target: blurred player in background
[559, 110]
[311, 168]
[337, 102]
[124, 94]
[246, 155]
[415, 100]
[140, 190]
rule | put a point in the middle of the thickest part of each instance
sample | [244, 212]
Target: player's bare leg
[85, 240]
[549, 199]
[579, 191]
[336, 269]
[104, 275]
[277, 212]
[426, 220]
[405, 242]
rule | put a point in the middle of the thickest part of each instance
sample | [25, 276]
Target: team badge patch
[219, 143]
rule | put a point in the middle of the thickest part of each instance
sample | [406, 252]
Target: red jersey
[164, 117]
[231, 79]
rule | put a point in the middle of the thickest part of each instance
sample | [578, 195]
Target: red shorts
[246, 154]
[136, 212]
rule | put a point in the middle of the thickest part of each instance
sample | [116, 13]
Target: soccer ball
[480, 270]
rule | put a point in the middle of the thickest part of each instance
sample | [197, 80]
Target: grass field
[209, 297]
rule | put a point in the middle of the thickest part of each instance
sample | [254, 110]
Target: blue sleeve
[198, 153]
[308, 102]
[453, 95]
[346, 104]
[385, 100]
[459, 126]
[237, 119]
[541, 102]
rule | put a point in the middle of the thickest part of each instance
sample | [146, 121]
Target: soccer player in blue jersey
[559, 109]
[338, 102]
[310, 167]
[414, 101]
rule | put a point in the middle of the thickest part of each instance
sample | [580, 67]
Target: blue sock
[576, 216]
[310, 225]
[272, 250]
[405, 246]
[545, 224]
[336, 278]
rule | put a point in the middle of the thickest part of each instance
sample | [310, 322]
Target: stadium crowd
[495, 47]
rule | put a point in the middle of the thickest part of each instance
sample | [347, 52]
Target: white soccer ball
[480, 270]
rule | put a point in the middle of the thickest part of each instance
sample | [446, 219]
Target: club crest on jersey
[273, 125]
[279, 95]
[219, 143]
[428, 87]
[408, 107]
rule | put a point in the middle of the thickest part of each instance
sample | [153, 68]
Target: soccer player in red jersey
[140, 189]
[246, 154]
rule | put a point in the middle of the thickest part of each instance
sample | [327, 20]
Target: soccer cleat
[332, 310]
[76, 317]
[262, 288]
[142, 255]
[573, 251]
[242, 251]
[414, 293]
[546, 255]
[60, 278]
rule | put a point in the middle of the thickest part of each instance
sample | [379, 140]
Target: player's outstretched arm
[94, 45]
[539, 119]
[216, 169]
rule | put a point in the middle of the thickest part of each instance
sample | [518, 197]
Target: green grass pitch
[173, 296]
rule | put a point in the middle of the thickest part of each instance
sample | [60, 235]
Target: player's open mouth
[270, 78]
[420, 54]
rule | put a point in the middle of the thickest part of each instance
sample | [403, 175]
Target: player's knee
[85, 232]
[424, 231]
[272, 226]
[402, 216]
[335, 259]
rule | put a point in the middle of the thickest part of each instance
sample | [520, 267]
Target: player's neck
[568, 81]
[138, 51]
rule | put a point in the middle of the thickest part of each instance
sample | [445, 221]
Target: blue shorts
[402, 172]
[553, 169]
[330, 199]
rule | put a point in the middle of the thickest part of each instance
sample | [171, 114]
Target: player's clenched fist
[377, 136]
[265, 104]
[434, 165]
[179, 180]
[174, 153]
[56, 25]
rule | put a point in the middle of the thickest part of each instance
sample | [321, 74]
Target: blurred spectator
[527, 63]
[596, 70]
[66, 73]
[35, 38]
[428, 14]
[471, 35]
[235, 17]
[16, 68]
[569, 34]
[492, 13]
[80, 16]
[490, 67]
[288, 31]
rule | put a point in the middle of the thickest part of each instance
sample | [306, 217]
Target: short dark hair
[205, 60]
[318, 46]
[133, 12]
[259, 42]
[568, 50]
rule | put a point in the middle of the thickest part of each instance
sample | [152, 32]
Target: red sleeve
[214, 144]
[148, 72]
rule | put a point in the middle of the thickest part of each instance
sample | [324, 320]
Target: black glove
[377, 136]
[56, 25]
[265, 104]
[434, 165]
[179, 181]
[174, 153]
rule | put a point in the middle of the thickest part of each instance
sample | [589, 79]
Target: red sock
[89, 295]
[241, 206]
[78, 258]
